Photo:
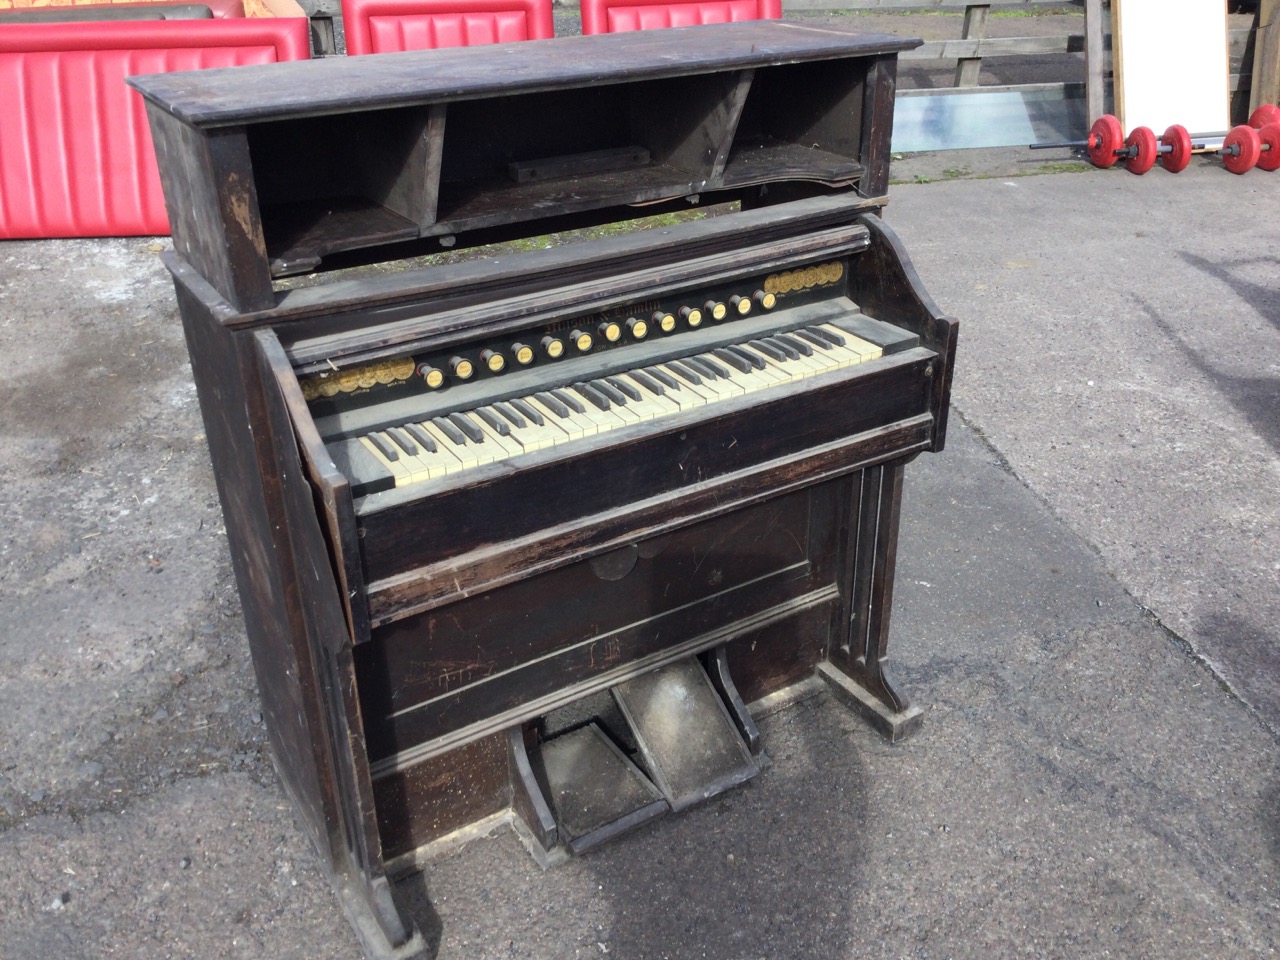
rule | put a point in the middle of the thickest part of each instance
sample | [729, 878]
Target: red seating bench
[75, 150]
[617, 16]
[390, 26]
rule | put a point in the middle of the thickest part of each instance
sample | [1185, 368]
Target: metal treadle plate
[685, 735]
[595, 792]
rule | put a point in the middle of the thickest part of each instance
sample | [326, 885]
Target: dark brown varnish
[409, 644]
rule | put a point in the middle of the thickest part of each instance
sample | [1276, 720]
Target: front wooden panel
[437, 673]
[441, 795]
[778, 654]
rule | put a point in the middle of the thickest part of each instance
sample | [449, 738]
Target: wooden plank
[1265, 87]
[331, 85]
[877, 126]
[1064, 90]
[1095, 59]
[975, 28]
[995, 47]
[1170, 69]
[1039, 46]
[332, 495]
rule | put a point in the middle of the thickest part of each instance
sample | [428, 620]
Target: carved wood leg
[857, 666]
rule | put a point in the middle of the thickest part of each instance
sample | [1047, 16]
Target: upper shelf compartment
[345, 181]
[801, 121]
[269, 170]
[541, 154]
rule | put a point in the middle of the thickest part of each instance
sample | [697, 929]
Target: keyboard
[414, 451]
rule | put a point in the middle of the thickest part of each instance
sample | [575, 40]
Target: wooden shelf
[764, 162]
[473, 204]
[299, 235]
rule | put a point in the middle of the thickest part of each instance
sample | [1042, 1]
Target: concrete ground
[1088, 593]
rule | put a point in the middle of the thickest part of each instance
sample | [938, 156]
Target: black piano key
[529, 413]
[829, 335]
[705, 367]
[446, 427]
[648, 382]
[468, 426]
[613, 393]
[796, 344]
[385, 446]
[552, 404]
[424, 439]
[768, 349]
[598, 399]
[403, 441]
[510, 413]
[623, 387]
[664, 378]
[569, 400]
[812, 338]
[789, 352]
[750, 356]
[681, 370]
[494, 422]
[733, 360]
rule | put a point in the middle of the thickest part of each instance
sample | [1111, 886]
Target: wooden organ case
[521, 535]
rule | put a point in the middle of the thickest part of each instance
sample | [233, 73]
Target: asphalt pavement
[1088, 593]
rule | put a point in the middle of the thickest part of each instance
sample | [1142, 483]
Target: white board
[1170, 64]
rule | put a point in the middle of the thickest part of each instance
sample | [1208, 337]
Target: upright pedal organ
[523, 534]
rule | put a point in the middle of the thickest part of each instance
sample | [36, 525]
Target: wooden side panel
[870, 561]
[292, 610]
[688, 121]
[231, 400]
[884, 283]
[330, 490]
[319, 631]
[212, 203]
[877, 126]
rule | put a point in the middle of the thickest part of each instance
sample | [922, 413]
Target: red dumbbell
[1107, 145]
[1245, 147]
[1267, 113]
[1172, 149]
[1242, 148]
[1253, 144]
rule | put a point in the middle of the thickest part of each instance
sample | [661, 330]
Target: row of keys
[422, 450]
[583, 340]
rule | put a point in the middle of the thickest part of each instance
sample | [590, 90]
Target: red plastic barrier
[221, 9]
[617, 16]
[389, 26]
[76, 158]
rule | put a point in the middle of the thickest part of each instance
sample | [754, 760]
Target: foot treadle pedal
[595, 792]
[685, 738]
[685, 735]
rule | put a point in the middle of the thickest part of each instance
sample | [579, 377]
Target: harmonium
[523, 533]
